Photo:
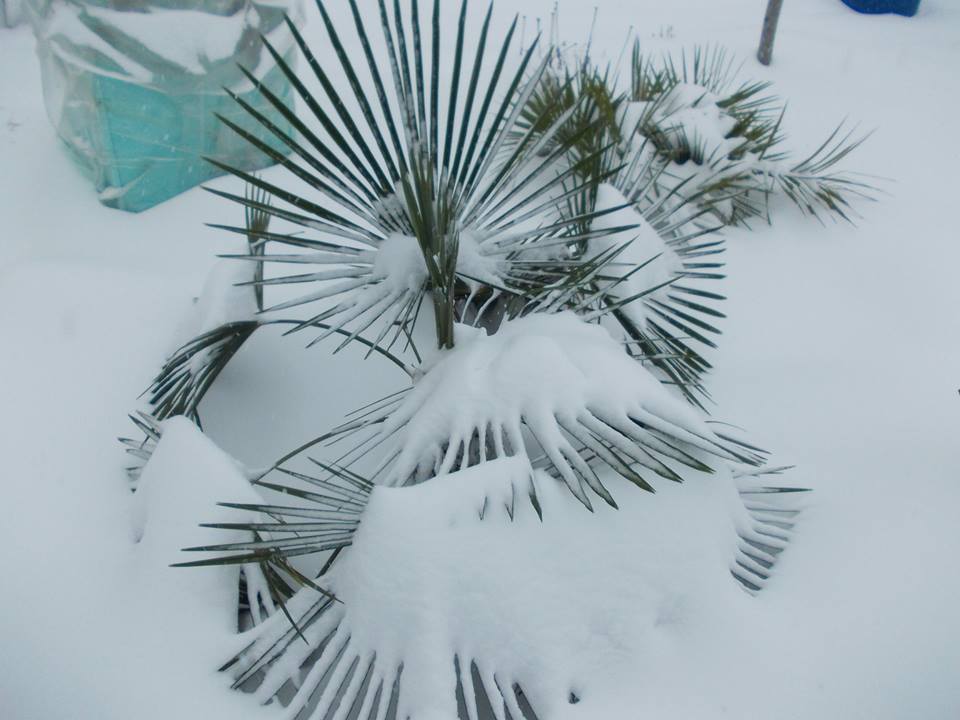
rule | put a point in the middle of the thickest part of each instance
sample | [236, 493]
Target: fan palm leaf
[335, 668]
[657, 216]
[495, 396]
[411, 200]
[735, 173]
[516, 202]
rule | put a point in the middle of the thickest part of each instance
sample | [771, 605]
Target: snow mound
[437, 602]
[180, 486]
[399, 263]
[224, 299]
[645, 249]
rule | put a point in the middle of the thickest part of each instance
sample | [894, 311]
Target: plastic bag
[131, 87]
[11, 13]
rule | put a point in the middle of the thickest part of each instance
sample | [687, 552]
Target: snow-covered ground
[841, 353]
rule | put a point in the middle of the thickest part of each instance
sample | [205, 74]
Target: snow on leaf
[662, 327]
[180, 486]
[644, 243]
[476, 188]
[223, 319]
[441, 607]
[557, 390]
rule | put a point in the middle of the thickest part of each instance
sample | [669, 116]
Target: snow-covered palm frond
[412, 183]
[339, 668]
[482, 396]
[325, 521]
[499, 396]
[708, 129]
[772, 515]
[369, 643]
[225, 317]
[670, 268]
[671, 88]
[141, 450]
[724, 138]
[191, 370]
[658, 222]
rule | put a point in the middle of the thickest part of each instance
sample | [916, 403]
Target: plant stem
[443, 311]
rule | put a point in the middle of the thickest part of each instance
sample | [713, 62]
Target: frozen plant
[453, 228]
[673, 233]
[724, 139]
[684, 150]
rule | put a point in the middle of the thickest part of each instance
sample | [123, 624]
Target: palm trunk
[443, 312]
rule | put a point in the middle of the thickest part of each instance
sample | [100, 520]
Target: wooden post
[769, 31]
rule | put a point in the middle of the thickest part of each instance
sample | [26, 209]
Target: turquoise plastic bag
[11, 13]
[132, 88]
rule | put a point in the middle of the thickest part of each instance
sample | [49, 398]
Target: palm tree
[510, 205]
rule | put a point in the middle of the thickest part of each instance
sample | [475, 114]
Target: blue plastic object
[140, 146]
[874, 7]
[133, 95]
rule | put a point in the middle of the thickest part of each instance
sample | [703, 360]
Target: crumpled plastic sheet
[11, 13]
[132, 88]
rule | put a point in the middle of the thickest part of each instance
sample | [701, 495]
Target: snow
[859, 619]
[64, 22]
[191, 38]
[644, 247]
[691, 111]
[481, 395]
[564, 616]
[223, 298]
[98, 39]
[398, 262]
[475, 265]
[180, 486]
